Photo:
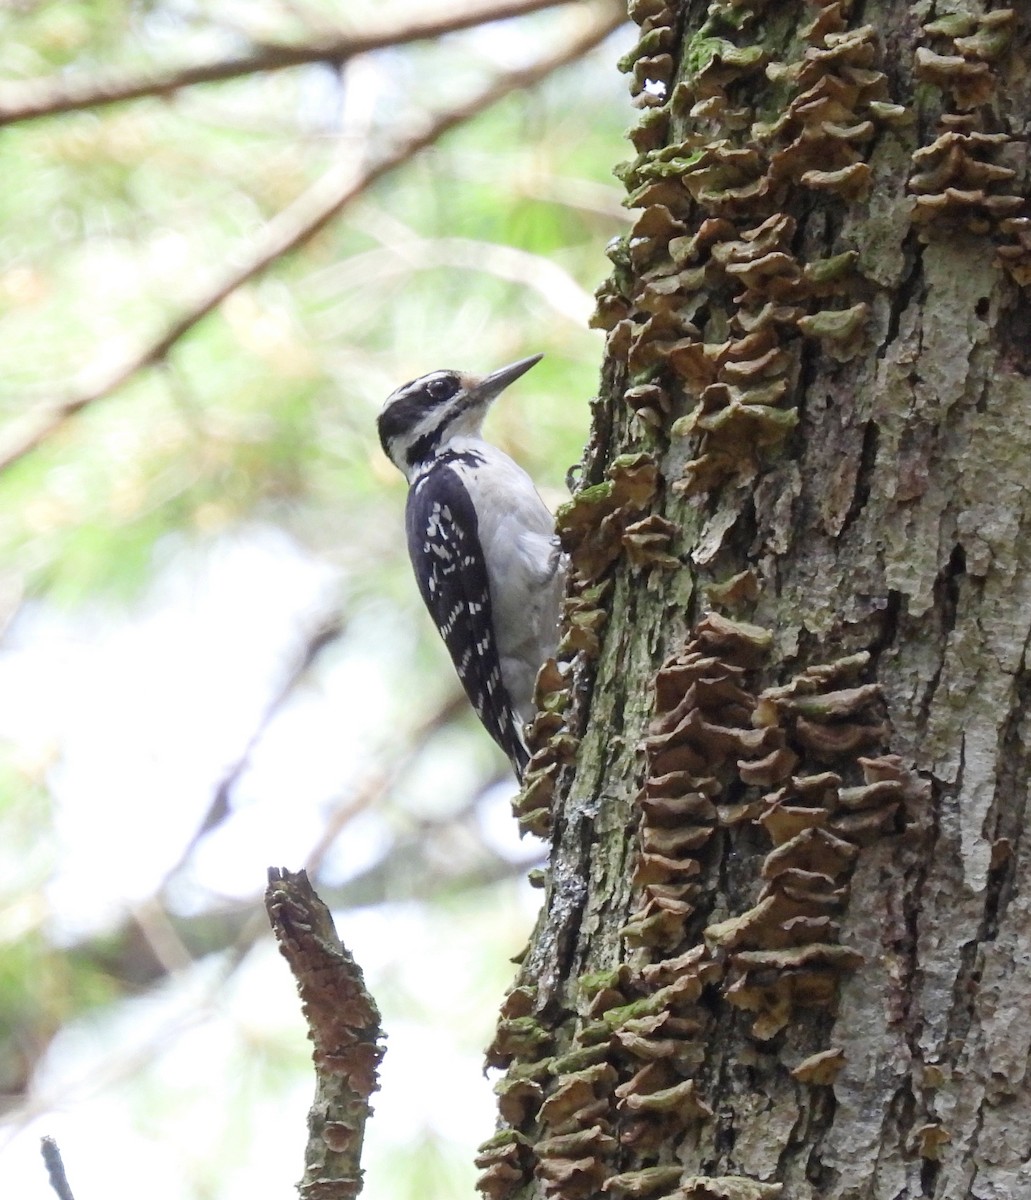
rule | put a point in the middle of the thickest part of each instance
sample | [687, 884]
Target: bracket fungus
[713, 304]
[591, 525]
[966, 178]
[504, 1165]
[820, 1069]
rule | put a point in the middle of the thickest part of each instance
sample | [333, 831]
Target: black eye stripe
[411, 405]
[399, 417]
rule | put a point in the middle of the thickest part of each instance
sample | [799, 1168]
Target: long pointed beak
[492, 385]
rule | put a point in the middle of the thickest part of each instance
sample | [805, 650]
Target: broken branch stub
[344, 1028]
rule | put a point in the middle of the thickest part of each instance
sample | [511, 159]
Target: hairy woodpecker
[481, 541]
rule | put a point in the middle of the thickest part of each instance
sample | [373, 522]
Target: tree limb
[324, 632]
[299, 222]
[377, 785]
[55, 1168]
[344, 1027]
[51, 94]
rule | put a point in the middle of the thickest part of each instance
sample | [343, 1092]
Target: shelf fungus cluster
[551, 744]
[701, 730]
[967, 177]
[579, 1121]
[554, 1107]
[601, 522]
[783, 953]
[588, 1104]
[742, 386]
[597, 527]
[802, 761]
[710, 303]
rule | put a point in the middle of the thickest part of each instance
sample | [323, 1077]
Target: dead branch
[51, 94]
[55, 1168]
[299, 222]
[378, 785]
[324, 633]
[344, 1027]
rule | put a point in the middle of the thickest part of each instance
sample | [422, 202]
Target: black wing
[443, 544]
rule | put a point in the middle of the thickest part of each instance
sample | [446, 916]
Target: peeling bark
[344, 1028]
[785, 947]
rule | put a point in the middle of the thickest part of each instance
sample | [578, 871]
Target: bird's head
[420, 418]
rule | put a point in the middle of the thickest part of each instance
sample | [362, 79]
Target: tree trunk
[785, 949]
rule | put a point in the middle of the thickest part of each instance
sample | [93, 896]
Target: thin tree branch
[325, 631]
[231, 933]
[157, 929]
[51, 94]
[250, 926]
[344, 1027]
[403, 251]
[55, 1168]
[372, 789]
[300, 221]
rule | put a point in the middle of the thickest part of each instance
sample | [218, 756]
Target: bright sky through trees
[213, 656]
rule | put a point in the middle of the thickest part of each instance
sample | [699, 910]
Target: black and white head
[420, 418]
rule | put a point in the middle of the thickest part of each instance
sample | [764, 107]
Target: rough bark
[344, 1029]
[785, 945]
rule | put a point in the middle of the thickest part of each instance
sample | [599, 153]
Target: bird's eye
[441, 389]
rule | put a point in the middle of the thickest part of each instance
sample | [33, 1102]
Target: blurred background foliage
[212, 654]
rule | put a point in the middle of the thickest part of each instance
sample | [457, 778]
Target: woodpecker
[481, 541]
